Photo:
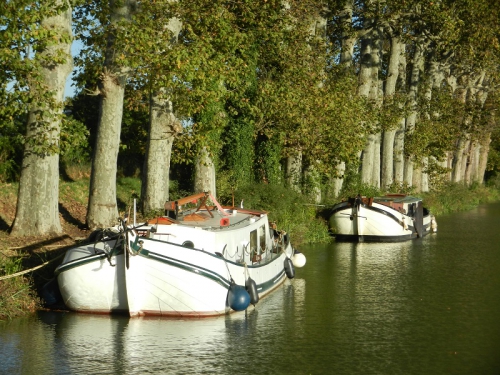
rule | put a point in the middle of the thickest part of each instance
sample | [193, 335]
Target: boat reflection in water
[118, 344]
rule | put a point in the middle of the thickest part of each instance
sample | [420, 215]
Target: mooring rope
[29, 270]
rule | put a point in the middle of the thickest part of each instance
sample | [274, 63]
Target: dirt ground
[72, 215]
[39, 256]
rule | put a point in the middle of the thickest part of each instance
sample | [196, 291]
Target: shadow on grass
[32, 247]
[70, 218]
[4, 227]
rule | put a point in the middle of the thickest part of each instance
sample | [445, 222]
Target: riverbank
[27, 264]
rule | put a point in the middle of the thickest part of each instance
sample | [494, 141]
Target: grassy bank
[292, 212]
[456, 198]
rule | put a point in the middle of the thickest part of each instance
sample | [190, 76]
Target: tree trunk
[369, 88]
[465, 160]
[376, 160]
[399, 156]
[367, 160]
[483, 157]
[294, 171]
[346, 55]
[417, 178]
[388, 136]
[102, 207]
[425, 175]
[399, 137]
[417, 67]
[458, 160]
[37, 211]
[204, 179]
[473, 170]
[449, 165]
[155, 177]
[435, 78]
[163, 127]
[338, 180]
[482, 145]
[313, 183]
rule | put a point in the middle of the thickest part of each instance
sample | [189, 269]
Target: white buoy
[299, 260]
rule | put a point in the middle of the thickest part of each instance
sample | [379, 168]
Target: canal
[430, 306]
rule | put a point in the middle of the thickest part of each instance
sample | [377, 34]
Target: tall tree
[369, 88]
[163, 124]
[102, 207]
[37, 210]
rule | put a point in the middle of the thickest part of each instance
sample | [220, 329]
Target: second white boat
[391, 218]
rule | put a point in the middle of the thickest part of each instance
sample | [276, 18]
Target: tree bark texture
[313, 183]
[417, 67]
[163, 127]
[102, 207]
[346, 56]
[459, 157]
[204, 173]
[387, 169]
[37, 211]
[365, 84]
[369, 87]
[399, 135]
[483, 157]
[162, 130]
[294, 171]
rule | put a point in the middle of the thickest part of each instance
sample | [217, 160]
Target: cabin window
[262, 238]
[253, 241]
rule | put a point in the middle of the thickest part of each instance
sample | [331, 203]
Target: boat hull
[193, 268]
[89, 282]
[370, 221]
[169, 280]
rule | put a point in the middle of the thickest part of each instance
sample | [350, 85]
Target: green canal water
[430, 306]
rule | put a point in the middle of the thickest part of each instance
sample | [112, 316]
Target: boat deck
[203, 219]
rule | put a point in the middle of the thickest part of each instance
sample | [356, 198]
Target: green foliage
[439, 123]
[11, 150]
[11, 265]
[493, 165]
[239, 152]
[75, 188]
[392, 110]
[134, 136]
[127, 189]
[291, 211]
[457, 197]
[353, 186]
[268, 160]
[31, 45]
[74, 144]
[401, 188]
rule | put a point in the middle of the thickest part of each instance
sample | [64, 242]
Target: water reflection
[429, 306]
[72, 343]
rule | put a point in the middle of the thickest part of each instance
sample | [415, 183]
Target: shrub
[291, 211]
